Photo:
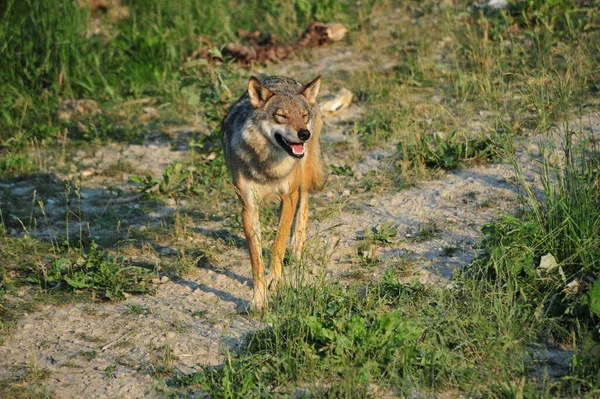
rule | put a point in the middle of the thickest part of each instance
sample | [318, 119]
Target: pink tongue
[297, 148]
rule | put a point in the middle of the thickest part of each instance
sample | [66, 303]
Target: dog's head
[287, 112]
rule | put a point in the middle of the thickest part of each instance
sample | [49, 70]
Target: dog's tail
[319, 176]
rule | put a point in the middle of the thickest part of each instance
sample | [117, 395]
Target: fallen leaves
[264, 47]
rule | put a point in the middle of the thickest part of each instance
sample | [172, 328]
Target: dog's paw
[259, 301]
[273, 283]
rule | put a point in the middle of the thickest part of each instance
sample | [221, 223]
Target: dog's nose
[303, 134]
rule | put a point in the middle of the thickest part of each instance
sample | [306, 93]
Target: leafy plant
[384, 233]
[345, 170]
[94, 271]
[449, 153]
[550, 256]
[173, 178]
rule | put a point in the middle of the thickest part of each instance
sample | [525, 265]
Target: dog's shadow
[241, 305]
[223, 234]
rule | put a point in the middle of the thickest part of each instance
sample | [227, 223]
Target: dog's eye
[305, 117]
[280, 116]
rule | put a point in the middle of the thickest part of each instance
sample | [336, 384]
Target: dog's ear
[311, 90]
[259, 94]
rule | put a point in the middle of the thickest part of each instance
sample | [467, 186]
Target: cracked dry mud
[106, 350]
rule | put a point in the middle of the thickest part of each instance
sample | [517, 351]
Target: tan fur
[264, 134]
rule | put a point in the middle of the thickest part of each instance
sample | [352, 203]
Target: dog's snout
[303, 134]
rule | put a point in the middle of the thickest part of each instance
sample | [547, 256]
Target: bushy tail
[319, 176]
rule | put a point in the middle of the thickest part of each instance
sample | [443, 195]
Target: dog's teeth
[297, 148]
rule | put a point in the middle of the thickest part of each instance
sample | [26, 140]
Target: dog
[271, 147]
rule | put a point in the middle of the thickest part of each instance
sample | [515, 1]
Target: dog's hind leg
[288, 206]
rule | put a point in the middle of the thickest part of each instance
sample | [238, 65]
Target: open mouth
[294, 149]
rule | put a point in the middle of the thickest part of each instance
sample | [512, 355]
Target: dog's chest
[270, 192]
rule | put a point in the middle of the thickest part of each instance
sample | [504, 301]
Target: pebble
[123, 373]
[160, 280]
[346, 193]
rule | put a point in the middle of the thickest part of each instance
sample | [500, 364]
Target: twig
[111, 343]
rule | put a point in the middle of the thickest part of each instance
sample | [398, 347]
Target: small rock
[123, 373]
[156, 281]
[336, 31]
[341, 101]
[164, 279]
[346, 193]
[136, 350]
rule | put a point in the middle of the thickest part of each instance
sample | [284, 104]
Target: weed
[382, 234]
[428, 231]
[162, 361]
[94, 271]
[449, 250]
[450, 152]
[134, 309]
[345, 170]
[174, 177]
[51, 54]
[109, 370]
[355, 340]
[366, 255]
[549, 258]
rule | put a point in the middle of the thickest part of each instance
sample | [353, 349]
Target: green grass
[48, 55]
[356, 342]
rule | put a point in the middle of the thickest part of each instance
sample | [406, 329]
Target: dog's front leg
[288, 207]
[250, 219]
[300, 222]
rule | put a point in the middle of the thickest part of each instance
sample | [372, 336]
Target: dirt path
[119, 350]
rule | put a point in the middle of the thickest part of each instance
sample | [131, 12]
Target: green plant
[356, 342]
[94, 271]
[548, 258]
[449, 152]
[174, 177]
[14, 156]
[345, 170]
[109, 370]
[382, 234]
[428, 231]
[55, 50]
